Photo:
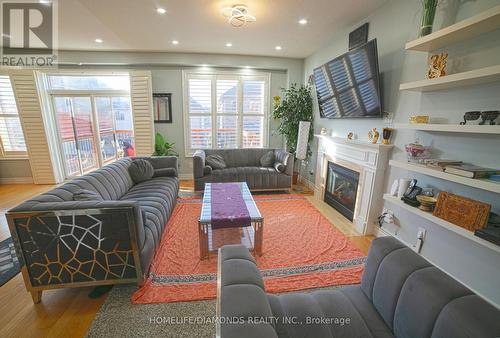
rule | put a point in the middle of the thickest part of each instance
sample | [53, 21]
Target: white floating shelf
[451, 128]
[483, 184]
[473, 77]
[441, 222]
[486, 21]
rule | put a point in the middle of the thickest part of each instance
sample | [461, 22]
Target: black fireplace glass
[341, 189]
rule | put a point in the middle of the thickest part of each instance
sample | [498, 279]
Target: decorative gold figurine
[350, 135]
[386, 135]
[437, 65]
[373, 135]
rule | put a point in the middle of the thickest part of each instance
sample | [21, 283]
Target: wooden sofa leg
[37, 296]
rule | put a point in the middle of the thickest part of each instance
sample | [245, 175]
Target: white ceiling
[198, 25]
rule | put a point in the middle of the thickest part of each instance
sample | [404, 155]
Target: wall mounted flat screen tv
[348, 86]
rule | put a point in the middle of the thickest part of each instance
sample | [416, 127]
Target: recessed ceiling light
[175, 42]
[161, 10]
[278, 48]
[99, 40]
[303, 21]
[229, 44]
[45, 2]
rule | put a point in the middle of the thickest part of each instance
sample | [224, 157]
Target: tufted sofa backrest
[416, 299]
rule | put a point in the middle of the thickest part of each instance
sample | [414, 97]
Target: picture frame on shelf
[162, 107]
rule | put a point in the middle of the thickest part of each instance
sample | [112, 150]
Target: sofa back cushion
[240, 157]
[416, 299]
[109, 183]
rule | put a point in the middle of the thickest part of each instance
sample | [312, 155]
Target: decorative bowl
[419, 119]
[427, 203]
[416, 152]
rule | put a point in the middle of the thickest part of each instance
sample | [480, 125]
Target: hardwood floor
[69, 312]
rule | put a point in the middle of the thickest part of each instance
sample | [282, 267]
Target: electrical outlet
[421, 233]
[420, 239]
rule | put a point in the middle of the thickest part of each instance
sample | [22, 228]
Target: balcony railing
[88, 151]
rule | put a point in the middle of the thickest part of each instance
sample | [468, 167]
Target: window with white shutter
[225, 110]
[12, 142]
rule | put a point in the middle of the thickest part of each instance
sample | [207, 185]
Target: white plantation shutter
[254, 104]
[141, 96]
[11, 132]
[225, 110]
[199, 96]
[24, 85]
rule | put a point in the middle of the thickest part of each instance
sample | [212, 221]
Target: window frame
[13, 155]
[215, 75]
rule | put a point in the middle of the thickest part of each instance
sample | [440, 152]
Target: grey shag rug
[118, 317]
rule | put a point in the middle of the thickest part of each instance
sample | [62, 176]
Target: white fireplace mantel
[370, 160]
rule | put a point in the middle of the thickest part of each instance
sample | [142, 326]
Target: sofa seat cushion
[156, 198]
[340, 308]
[256, 177]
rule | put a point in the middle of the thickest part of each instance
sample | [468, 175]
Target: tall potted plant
[296, 106]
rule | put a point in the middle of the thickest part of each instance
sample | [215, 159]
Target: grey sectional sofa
[401, 295]
[109, 238]
[243, 165]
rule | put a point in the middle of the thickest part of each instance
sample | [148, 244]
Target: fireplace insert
[341, 189]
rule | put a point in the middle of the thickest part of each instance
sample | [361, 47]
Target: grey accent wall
[394, 24]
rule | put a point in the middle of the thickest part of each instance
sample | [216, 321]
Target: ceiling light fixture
[278, 48]
[229, 44]
[161, 10]
[175, 42]
[303, 21]
[238, 15]
[99, 40]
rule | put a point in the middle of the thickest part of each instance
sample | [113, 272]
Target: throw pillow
[215, 161]
[267, 160]
[165, 172]
[280, 167]
[86, 195]
[207, 170]
[141, 170]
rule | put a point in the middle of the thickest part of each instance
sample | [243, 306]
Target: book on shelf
[471, 171]
[441, 164]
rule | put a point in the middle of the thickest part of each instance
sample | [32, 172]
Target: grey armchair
[243, 165]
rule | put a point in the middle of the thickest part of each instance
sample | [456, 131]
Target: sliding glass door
[93, 130]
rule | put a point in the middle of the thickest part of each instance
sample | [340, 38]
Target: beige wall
[15, 171]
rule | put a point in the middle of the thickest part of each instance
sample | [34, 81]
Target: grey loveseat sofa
[401, 295]
[243, 165]
[109, 238]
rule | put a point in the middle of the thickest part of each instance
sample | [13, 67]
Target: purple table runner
[228, 209]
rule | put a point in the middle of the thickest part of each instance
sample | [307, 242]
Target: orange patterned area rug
[301, 250]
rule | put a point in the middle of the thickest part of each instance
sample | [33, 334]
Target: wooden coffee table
[212, 239]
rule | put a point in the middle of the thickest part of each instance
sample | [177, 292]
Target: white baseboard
[16, 180]
[185, 176]
[306, 182]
